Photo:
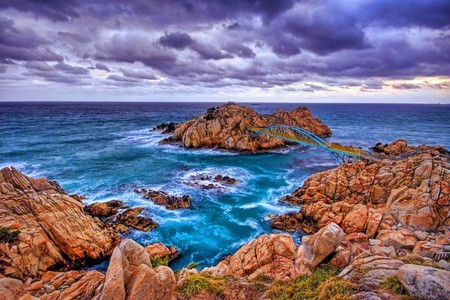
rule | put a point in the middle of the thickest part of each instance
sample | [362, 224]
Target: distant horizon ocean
[105, 149]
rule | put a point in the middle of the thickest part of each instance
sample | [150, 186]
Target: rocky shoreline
[377, 230]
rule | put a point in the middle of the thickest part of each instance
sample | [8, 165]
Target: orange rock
[226, 127]
[54, 231]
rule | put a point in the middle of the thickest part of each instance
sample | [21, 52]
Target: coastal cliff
[225, 127]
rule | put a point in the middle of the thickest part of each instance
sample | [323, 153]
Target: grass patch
[418, 260]
[197, 283]
[321, 285]
[392, 284]
[159, 261]
[192, 265]
[8, 236]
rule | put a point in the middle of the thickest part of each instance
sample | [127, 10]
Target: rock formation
[162, 198]
[54, 231]
[268, 255]
[225, 127]
[159, 250]
[130, 276]
[361, 197]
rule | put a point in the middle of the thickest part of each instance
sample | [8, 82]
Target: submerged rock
[225, 127]
[54, 232]
[160, 197]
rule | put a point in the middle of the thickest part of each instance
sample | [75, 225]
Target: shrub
[392, 284]
[197, 283]
[7, 236]
[192, 265]
[304, 287]
[159, 261]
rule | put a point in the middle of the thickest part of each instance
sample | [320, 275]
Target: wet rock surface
[162, 198]
[210, 181]
[225, 127]
[166, 127]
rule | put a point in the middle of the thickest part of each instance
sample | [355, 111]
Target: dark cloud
[70, 69]
[210, 52]
[253, 43]
[100, 66]
[132, 48]
[28, 54]
[406, 86]
[38, 65]
[56, 10]
[177, 40]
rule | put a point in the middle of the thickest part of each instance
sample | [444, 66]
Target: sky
[241, 50]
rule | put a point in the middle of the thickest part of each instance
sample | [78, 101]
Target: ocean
[105, 150]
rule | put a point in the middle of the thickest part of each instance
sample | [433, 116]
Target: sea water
[105, 150]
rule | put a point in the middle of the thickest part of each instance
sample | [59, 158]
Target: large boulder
[425, 282]
[269, 255]
[159, 250]
[130, 276]
[225, 127]
[370, 269]
[54, 230]
[314, 249]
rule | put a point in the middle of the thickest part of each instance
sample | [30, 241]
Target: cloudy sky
[243, 50]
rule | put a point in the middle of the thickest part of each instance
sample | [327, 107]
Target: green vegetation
[7, 236]
[323, 284]
[197, 283]
[419, 260]
[392, 284]
[159, 261]
[192, 265]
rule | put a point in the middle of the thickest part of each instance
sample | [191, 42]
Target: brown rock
[132, 218]
[369, 197]
[314, 249]
[267, 255]
[171, 202]
[226, 127]
[130, 276]
[11, 289]
[162, 251]
[104, 209]
[54, 231]
[400, 239]
[369, 269]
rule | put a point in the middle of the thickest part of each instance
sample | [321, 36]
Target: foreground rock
[425, 282]
[225, 127]
[314, 249]
[159, 250]
[130, 276]
[54, 231]
[268, 255]
[413, 192]
[162, 198]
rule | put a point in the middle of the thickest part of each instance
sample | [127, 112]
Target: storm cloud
[304, 46]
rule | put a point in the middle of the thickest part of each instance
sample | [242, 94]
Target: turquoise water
[104, 150]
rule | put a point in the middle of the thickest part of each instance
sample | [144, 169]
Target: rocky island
[225, 127]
